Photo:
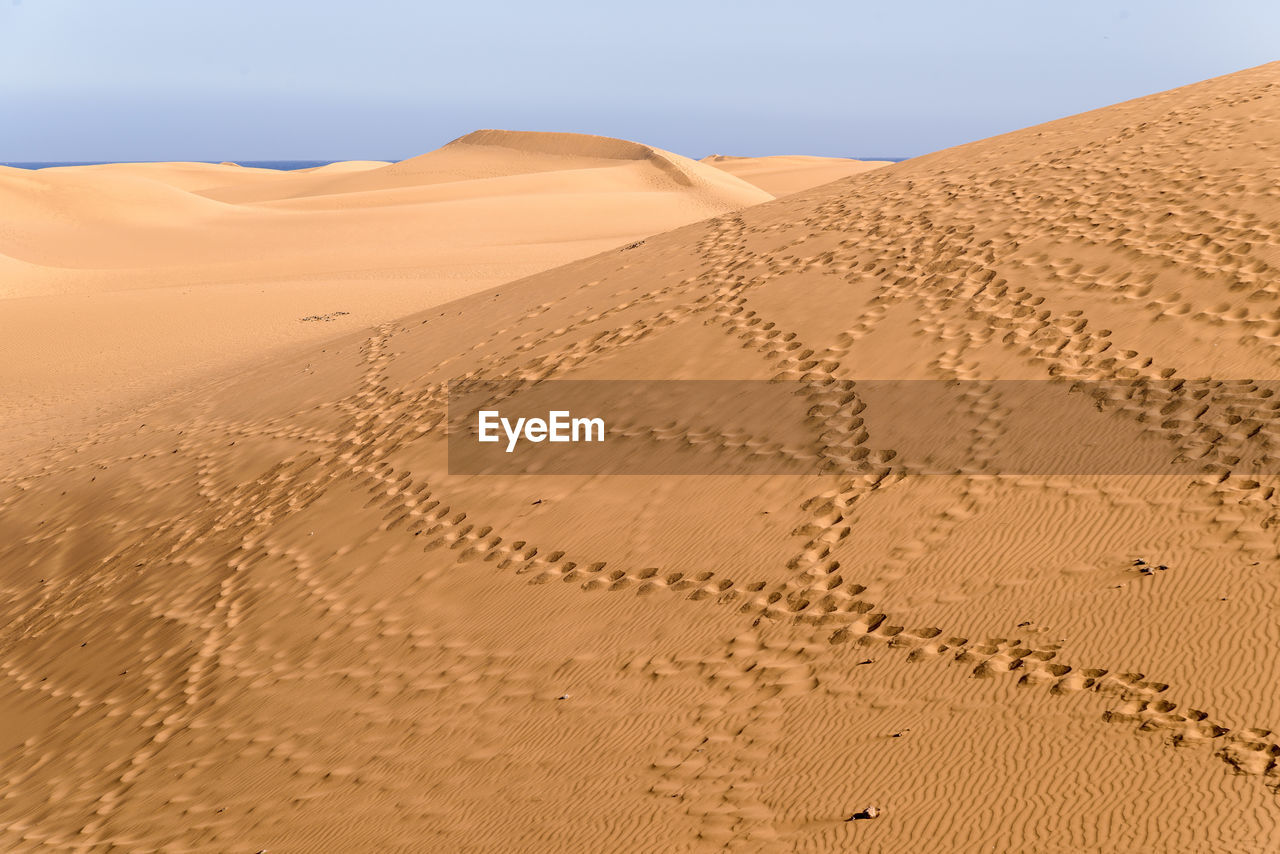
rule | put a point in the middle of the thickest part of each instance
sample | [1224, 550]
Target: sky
[389, 79]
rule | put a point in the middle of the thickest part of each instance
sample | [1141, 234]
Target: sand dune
[261, 614]
[782, 175]
[498, 154]
[169, 271]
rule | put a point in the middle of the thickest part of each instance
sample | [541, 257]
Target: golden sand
[259, 613]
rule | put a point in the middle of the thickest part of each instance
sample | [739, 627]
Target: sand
[259, 614]
[122, 280]
[785, 174]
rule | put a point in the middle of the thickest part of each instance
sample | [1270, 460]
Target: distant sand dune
[489, 154]
[134, 276]
[260, 613]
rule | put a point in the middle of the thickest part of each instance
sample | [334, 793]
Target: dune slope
[784, 174]
[263, 615]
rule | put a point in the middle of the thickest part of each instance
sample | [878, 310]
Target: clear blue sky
[316, 79]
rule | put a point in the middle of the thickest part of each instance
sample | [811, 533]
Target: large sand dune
[260, 614]
[122, 280]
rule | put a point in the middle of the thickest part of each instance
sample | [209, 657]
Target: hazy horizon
[146, 80]
[292, 163]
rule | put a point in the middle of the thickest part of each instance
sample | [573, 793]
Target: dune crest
[680, 170]
[559, 144]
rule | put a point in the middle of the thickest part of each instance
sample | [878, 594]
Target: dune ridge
[262, 613]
